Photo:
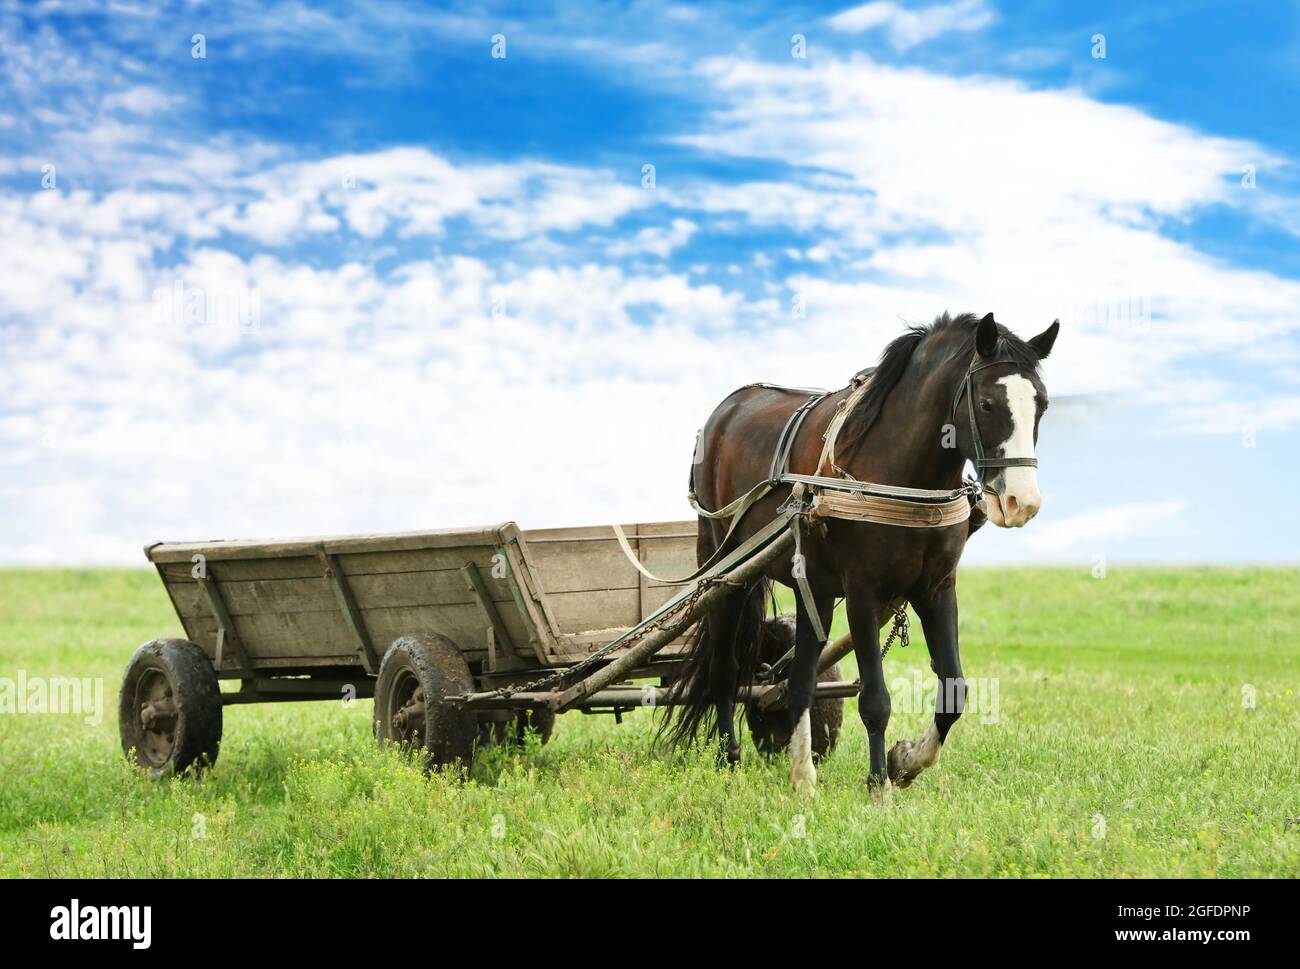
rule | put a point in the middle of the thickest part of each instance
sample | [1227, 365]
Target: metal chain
[899, 632]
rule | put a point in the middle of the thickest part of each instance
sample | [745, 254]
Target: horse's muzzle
[1013, 508]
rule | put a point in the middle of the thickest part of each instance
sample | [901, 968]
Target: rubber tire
[449, 734]
[197, 696]
[771, 729]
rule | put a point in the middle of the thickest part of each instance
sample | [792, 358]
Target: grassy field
[1122, 742]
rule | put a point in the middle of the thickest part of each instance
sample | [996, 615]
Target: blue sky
[348, 271]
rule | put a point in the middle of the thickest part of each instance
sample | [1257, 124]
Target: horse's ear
[986, 336]
[1042, 343]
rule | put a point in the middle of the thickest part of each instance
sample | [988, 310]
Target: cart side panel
[286, 611]
[668, 550]
[594, 592]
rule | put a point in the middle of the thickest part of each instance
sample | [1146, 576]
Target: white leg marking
[1021, 484]
[909, 757]
[925, 752]
[802, 772]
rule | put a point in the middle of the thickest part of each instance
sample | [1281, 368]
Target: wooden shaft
[646, 696]
[835, 652]
[657, 640]
[832, 654]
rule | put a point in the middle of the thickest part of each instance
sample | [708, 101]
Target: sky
[280, 269]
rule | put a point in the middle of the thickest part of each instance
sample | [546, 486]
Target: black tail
[691, 698]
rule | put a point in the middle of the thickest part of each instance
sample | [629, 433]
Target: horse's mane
[896, 356]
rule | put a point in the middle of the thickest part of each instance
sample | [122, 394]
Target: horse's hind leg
[718, 640]
[724, 625]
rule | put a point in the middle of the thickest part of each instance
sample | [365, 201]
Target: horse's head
[996, 411]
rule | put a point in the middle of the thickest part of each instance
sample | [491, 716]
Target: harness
[820, 495]
[968, 388]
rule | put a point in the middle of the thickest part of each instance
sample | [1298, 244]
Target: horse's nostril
[1011, 504]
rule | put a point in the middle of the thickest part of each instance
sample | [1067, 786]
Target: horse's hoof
[880, 788]
[894, 762]
[803, 778]
[896, 765]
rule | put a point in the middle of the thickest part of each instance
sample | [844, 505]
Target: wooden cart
[444, 629]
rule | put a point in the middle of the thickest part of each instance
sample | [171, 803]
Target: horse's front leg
[873, 697]
[937, 610]
[799, 697]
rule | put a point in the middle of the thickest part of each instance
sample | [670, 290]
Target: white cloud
[417, 192]
[981, 193]
[397, 389]
[1247, 418]
[140, 99]
[907, 28]
[401, 376]
[655, 240]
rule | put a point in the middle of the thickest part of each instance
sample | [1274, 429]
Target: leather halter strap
[967, 386]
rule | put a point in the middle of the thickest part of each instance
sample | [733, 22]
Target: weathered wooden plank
[351, 613]
[656, 596]
[227, 635]
[491, 615]
[594, 559]
[538, 536]
[314, 634]
[248, 597]
[356, 563]
[301, 567]
[670, 558]
[541, 633]
[223, 550]
[659, 530]
[342, 661]
[578, 566]
[579, 612]
[554, 642]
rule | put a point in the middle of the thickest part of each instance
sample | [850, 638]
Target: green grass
[1120, 701]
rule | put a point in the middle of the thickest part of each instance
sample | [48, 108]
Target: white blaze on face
[1020, 499]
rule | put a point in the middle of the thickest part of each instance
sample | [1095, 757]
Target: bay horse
[962, 388]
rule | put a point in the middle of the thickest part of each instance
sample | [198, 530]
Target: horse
[959, 389]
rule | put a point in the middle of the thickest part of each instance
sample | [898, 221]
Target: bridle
[967, 386]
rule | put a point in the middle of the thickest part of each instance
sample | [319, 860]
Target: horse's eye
[986, 405]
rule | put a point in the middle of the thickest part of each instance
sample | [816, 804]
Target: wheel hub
[408, 721]
[158, 716]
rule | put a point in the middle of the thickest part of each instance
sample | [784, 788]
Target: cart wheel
[496, 726]
[771, 729]
[416, 676]
[169, 708]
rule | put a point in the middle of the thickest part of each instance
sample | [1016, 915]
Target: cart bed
[510, 599]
